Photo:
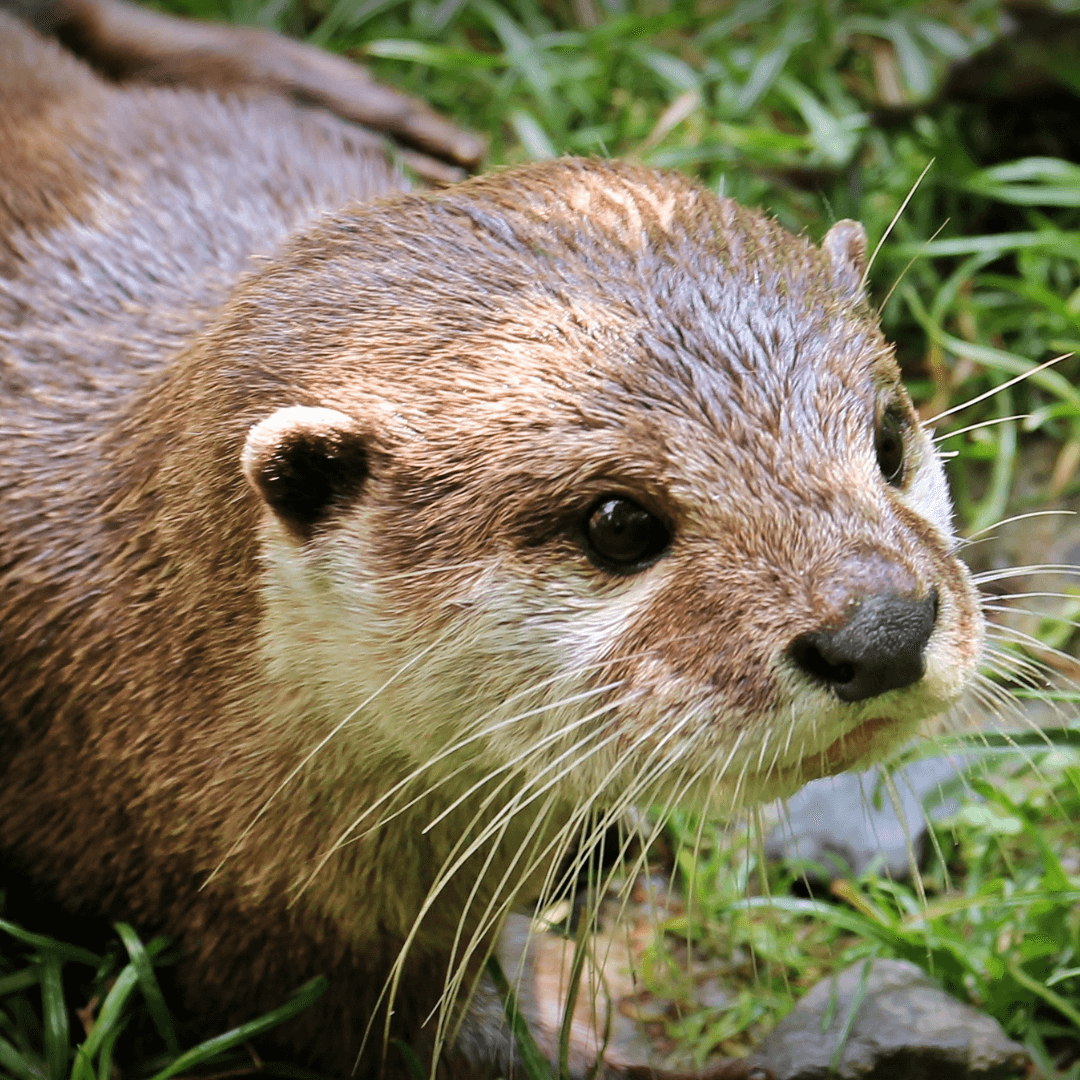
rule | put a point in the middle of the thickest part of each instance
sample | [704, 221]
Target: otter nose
[879, 648]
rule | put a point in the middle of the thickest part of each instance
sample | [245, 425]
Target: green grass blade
[532, 136]
[105, 1059]
[1054, 1000]
[412, 1061]
[1061, 242]
[764, 73]
[521, 50]
[952, 45]
[1029, 182]
[676, 73]
[54, 1011]
[20, 980]
[917, 70]
[436, 56]
[148, 983]
[836, 139]
[205, 1051]
[83, 1067]
[14, 1063]
[746, 11]
[111, 1015]
[51, 945]
[849, 1018]
[347, 14]
[998, 359]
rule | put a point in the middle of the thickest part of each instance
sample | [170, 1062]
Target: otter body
[361, 550]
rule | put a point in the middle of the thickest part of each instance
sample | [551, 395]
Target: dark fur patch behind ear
[304, 462]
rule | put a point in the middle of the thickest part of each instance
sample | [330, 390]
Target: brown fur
[177, 268]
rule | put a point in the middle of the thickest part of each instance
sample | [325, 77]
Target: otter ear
[845, 245]
[303, 462]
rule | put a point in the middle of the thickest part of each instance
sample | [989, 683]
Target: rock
[904, 1028]
[844, 824]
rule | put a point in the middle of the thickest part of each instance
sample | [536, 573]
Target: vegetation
[995, 917]
[63, 1010]
[813, 111]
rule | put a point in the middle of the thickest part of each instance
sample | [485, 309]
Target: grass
[996, 917]
[814, 112]
[65, 1009]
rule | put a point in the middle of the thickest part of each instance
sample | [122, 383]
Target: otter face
[608, 483]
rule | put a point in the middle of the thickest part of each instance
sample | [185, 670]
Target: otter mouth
[845, 750]
[861, 743]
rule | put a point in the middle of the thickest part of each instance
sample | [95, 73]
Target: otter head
[583, 474]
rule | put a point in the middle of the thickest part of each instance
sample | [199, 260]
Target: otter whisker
[1034, 370]
[466, 846]
[1008, 705]
[509, 766]
[1017, 668]
[892, 224]
[993, 697]
[626, 797]
[497, 907]
[483, 729]
[987, 576]
[613, 814]
[767, 736]
[531, 752]
[411, 662]
[1034, 613]
[646, 779]
[1005, 711]
[1000, 632]
[1003, 601]
[558, 762]
[982, 535]
[1025, 754]
[703, 813]
[978, 427]
[1021, 651]
[557, 842]
[509, 778]
[390, 988]
[889, 783]
[914, 258]
[500, 900]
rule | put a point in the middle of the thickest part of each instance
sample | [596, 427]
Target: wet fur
[179, 268]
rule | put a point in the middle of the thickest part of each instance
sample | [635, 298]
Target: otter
[365, 550]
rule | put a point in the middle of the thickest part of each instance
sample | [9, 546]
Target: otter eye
[622, 535]
[889, 445]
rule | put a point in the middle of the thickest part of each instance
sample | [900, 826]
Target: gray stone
[903, 1028]
[847, 824]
